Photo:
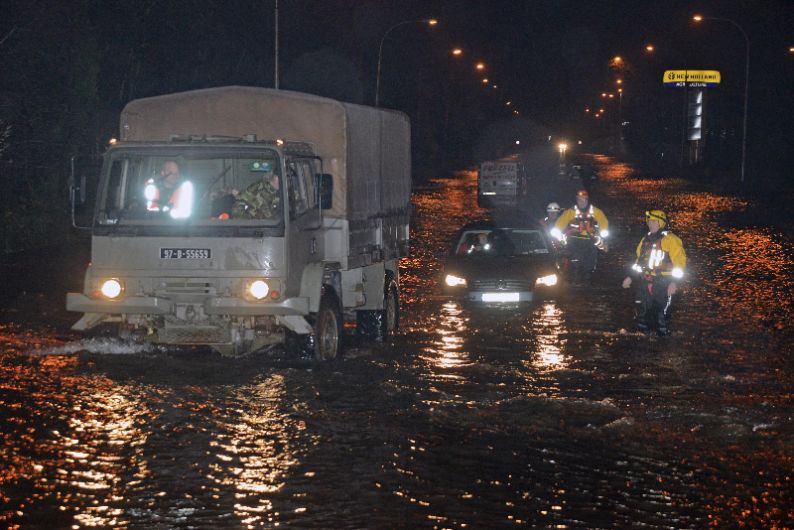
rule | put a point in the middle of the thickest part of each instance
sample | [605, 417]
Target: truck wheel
[328, 329]
[391, 317]
[382, 324]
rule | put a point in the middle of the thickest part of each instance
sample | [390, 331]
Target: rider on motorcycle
[582, 229]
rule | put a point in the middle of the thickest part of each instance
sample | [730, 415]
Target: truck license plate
[185, 253]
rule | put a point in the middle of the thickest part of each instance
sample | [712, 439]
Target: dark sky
[549, 57]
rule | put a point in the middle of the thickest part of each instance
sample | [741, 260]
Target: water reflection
[254, 451]
[94, 460]
[548, 327]
[447, 353]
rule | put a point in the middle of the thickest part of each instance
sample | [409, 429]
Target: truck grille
[191, 286]
[501, 285]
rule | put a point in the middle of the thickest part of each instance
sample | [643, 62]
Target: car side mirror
[325, 190]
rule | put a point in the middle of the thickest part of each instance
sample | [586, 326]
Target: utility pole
[275, 62]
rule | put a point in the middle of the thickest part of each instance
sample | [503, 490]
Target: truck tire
[381, 325]
[328, 329]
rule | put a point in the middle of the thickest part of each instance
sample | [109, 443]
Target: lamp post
[699, 18]
[430, 21]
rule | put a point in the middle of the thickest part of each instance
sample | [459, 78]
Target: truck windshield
[188, 187]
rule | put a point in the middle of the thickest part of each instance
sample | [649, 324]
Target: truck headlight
[258, 289]
[454, 281]
[111, 288]
[549, 280]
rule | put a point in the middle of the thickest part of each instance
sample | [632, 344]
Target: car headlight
[549, 280]
[454, 281]
[258, 289]
[111, 288]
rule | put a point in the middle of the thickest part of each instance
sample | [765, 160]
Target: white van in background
[501, 181]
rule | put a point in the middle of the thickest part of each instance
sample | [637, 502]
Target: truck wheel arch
[316, 277]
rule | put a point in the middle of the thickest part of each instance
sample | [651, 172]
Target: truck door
[304, 240]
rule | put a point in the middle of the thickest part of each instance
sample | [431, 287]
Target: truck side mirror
[325, 190]
[77, 196]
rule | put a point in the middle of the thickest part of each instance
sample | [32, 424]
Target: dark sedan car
[500, 265]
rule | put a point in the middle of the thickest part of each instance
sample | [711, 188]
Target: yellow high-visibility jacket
[574, 222]
[661, 254]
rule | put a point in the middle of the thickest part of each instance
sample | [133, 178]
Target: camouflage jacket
[259, 201]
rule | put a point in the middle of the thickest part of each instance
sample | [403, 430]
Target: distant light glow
[457, 52]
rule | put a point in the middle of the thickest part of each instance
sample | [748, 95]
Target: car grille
[501, 285]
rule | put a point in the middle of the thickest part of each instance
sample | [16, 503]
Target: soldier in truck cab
[170, 193]
[261, 200]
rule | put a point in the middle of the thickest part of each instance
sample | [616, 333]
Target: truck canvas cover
[367, 150]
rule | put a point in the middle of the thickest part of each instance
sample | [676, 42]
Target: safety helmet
[553, 207]
[583, 194]
[659, 215]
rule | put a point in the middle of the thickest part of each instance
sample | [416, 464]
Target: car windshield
[500, 242]
[162, 188]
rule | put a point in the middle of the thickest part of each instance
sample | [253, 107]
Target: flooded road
[560, 416]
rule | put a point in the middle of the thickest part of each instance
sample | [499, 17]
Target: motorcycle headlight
[605, 233]
[111, 288]
[258, 289]
[454, 281]
[548, 280]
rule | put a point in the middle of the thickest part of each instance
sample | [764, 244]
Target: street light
[700, 18]
[429, 21]
[457, 52]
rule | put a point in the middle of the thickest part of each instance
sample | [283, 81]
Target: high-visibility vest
[180, 204]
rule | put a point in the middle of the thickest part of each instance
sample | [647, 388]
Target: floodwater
[560, 416]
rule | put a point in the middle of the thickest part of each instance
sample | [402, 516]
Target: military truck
[241, 217]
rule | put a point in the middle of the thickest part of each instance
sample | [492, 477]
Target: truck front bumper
[153, 305]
